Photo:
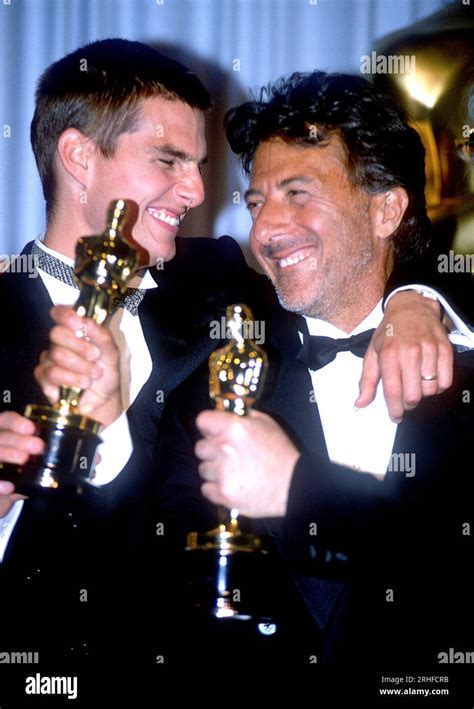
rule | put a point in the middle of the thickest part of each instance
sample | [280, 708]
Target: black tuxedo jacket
[70, 538]
[68, 542]
[404, 537]
[194, 289]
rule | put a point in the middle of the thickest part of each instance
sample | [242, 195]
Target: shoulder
[25, 301]
[16, 288]
[206, 252]
[19, 272]
[209, 265]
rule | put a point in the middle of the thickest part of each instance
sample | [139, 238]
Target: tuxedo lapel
[289, 399]
[29, 298]
[28, 322]
[289, 395]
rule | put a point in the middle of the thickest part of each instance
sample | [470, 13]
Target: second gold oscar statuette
[237, 374]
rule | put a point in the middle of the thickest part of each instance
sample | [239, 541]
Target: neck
[360, 303]
[63, 230]
[347, 322]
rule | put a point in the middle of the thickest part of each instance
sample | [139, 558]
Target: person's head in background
[336, 191]
[118, 119]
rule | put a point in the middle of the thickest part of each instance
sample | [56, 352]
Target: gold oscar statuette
[237, 373]
[103, 265]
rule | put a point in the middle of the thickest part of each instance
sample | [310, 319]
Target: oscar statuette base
[225, 558]
[70, 440]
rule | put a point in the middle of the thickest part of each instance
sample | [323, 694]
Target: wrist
[409, 298]
[108, 412]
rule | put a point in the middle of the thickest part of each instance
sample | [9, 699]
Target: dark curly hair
[382, 150]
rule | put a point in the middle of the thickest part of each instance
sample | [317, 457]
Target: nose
[190, 188]
[271, 222]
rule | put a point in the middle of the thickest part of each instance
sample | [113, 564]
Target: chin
[292, 302]
[166, 254]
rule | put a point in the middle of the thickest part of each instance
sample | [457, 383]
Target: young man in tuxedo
[112, 119]
[117, 119]
[370, 513]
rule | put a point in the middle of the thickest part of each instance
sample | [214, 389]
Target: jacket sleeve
[338, 516]
[434, 271]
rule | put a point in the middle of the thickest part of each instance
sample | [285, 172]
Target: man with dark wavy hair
[382, 151]
[336, 197]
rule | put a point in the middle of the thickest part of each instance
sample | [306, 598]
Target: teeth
[163, 217]
[291, 260]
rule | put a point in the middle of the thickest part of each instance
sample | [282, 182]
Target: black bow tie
[65, 273]
[317, 351]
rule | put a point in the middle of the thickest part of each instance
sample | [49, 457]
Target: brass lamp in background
[438, 95]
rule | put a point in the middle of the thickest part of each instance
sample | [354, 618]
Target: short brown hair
[96, 89]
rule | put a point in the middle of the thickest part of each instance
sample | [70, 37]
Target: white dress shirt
[361, 439]
[135, 369]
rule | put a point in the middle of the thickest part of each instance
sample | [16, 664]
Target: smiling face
[158, 166]
[313, 232]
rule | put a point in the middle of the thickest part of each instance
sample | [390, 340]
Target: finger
[51, 378]
[212, 423]
[6, 488]
[445, 366]
[66, 315]
[206, 449]
[29, 444]
[369, 379]
[211, 492]
[207, 471]
[17, 449]
[411, 377]
[91, 400]
[15, 497]
[65, 338]
[13, 455]
[12, 421]
[50, 392]
[96, 334]
[429, 368]
[68, 359]
[391, 383]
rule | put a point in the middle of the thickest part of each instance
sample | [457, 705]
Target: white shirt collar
[143, 279]
[52, 252]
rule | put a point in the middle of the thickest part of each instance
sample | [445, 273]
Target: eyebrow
[179, 154]
[305, 179]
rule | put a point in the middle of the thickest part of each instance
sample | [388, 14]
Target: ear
[387, 210]
[75, 150]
